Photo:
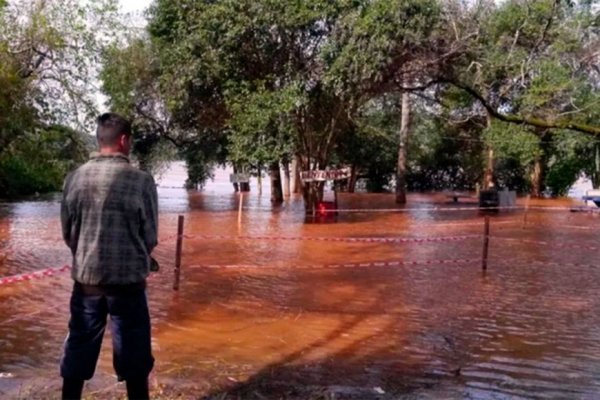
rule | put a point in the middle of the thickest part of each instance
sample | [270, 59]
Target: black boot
[137, 389]
[72, 389]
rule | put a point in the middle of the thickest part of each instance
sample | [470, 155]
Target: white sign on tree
[325, 175]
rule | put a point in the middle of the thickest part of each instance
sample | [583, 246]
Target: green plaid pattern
[109, 215]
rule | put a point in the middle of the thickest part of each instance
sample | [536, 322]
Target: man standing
[109, 217]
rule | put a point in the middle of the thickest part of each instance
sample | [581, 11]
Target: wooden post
[240, 208]
[178, 252]
[526, 211]
[486, 242]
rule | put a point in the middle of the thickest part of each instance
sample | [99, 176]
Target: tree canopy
[48, 64]
[511, 84]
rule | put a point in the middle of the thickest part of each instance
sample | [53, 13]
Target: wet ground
[296, 310]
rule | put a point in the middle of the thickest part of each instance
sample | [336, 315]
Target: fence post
[178, 252]
[240, 208]
[486, 242]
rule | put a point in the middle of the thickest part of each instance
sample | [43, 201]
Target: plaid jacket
[109, 215]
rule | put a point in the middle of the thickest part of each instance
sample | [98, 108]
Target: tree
[47, 65]
[260, 132]
[37, 161]
[371, 148]
[304, 50]
[531, 62]
[56, 45]
[255, 82]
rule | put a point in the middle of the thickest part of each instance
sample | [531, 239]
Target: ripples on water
[526, 329]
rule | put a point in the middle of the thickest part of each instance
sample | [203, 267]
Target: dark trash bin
[489, 198]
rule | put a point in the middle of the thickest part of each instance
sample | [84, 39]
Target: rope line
[339, 266]
[441, 209]
[337, 239]
[34, 275]
[546, 243]
[44, 273]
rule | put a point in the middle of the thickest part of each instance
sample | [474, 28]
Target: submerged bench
[455, 196]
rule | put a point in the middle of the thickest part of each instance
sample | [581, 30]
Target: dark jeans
[130, 326]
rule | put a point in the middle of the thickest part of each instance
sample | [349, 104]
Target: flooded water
[277, 308]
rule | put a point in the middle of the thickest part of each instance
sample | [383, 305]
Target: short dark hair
[109, 127]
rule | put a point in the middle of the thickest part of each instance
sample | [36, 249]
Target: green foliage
[279, 77]
[444, 155]
[562, 174]
[21, 177]
[38, 162]
[48, 61]
[513, 141]
[372, 148]
[130, 76]
[572, 155]
[199, 166]
[376, 39]
[260, 125]
[251, 82]
[153, 152]
[55, 45]
[510, 173]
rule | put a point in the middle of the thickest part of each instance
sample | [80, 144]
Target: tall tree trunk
[313, 195]
[286, 178]
[596, 174]
[276, 190]
[488, 181]
[296, 182]
[259, 179]
[404, 133]
[236, 186]
[352, 180]
[536, 177]
[489, 178]
[312, 192]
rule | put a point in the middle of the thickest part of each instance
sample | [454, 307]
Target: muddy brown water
[528, 328]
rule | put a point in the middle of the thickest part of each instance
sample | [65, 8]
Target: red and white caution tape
[446, 224]
[561, 226]
[339, 239]
[439, 209]
[345, 265]
[33, 275]
[561, 264]
[547, 263]
[545, 243]
[43, 274]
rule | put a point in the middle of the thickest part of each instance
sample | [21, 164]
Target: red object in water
[326, 207]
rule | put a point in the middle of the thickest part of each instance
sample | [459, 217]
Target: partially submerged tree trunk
[286, 178]
[536, 177]
[352, 180]
[296, 182]
[276, 190]
[538, 174]
[488, 179]
[488, 176]
[313, 195]
[404, 133]
[259, 179]
[596, 174]
[312, 192]
[236, 186]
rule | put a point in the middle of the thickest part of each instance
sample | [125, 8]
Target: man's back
[109, 220]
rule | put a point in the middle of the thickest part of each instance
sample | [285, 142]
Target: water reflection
[526, 329]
